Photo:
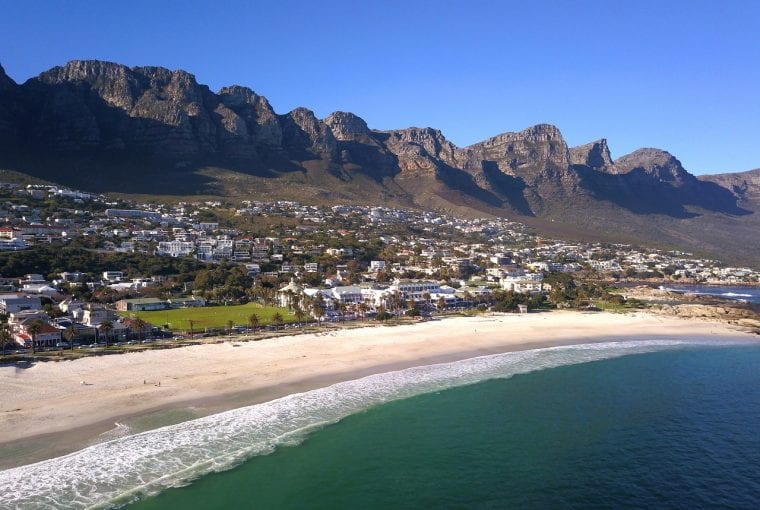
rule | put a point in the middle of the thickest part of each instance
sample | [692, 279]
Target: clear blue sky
[679, 75]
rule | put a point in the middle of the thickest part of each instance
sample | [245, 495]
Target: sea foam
[116, 472]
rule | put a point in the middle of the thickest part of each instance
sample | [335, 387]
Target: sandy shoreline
[45, 411]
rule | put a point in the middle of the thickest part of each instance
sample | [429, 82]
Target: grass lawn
[212, 316]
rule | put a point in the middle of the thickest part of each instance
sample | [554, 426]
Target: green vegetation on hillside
[53, 259]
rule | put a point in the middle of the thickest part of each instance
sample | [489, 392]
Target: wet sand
[47, 411]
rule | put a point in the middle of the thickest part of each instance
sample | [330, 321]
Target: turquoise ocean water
[616, 425]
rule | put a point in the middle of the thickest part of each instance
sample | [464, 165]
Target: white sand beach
[63, 406]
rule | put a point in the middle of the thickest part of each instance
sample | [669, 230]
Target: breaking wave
[124, 469]
[708, 292]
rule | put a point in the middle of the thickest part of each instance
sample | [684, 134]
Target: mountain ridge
[108, 127]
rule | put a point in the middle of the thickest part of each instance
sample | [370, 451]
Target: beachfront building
[94, 315]
[290, 294]
[415, 290]
[47, 336]
[349, 295]
[525, 283]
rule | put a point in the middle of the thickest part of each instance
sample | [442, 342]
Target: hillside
[151, 131]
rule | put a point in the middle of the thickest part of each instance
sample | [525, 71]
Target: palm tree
[106, 327]
[5, 336]
[229, 327]
[70, 333]
[341, 310]
[441, 303]
[253, 320]
[34, 329]
[276, 320]
[139, 325]
[319, 311]
[300, 314]
[363, 310]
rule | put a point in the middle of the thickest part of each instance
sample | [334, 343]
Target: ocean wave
[707, 292]
[117, 472]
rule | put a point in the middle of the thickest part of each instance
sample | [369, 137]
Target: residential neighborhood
[327, 263]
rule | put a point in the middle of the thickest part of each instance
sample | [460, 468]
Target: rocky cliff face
[419, 149]
[595, 155]
[6, 83]
[8, 110]
[744, 185]
[537, 149]
[302, 130]
[252, 116]
[347, 127]
[655, 164]
[88, 116]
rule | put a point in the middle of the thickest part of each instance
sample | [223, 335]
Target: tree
[363, 309]
[341, 310]
[139, 325]
[441, 303]
[277, 320]
[70, 333]
[318, 309]
[382, 314]
[34, 329]
[229, 327]
[106, 327]
[300, 314]
[253, 321]
[413, 311]
[5, 336]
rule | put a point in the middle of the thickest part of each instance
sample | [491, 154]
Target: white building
[113, 276]
[347, 295]
[415, 290]
[175, 248]
[528, 283]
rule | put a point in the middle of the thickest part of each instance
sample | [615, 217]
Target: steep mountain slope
[148, 130]
[744, 185]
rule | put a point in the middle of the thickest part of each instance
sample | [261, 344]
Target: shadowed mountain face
[744, 185]
[107, 127]
[651, 181]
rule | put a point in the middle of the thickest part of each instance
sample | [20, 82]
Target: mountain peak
[346, 125]
[6, 83]
[594, 155]
[657, 163]
[547, 130]
[237, 95]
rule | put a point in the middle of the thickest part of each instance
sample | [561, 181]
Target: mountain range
[107, 127]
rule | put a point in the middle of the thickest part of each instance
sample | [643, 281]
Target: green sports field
[211, 316]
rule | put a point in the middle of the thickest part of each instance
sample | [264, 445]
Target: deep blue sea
[617, 425]
[749, 294]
